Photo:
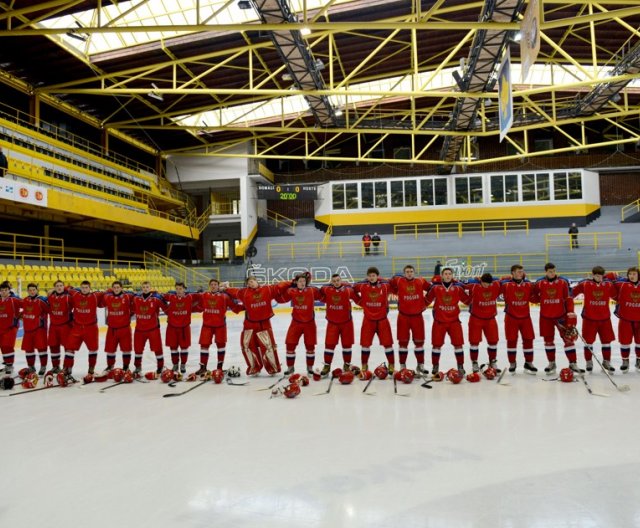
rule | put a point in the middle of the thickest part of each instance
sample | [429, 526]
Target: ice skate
[391, 369]
[475, 367]
[435, 370]
[550, 368]
[637, 363]
[461, 369]
[183, 368]
[310, 371]
[589, 366]
[421, 370]
[289, 371]
[530, 368]
[625, 365]
[576, 368]
[347, 366]
[175, 367]
[607, 366]
[42, 371]
[325, 370]
[201, 370]
[512, 367]
[494, 365]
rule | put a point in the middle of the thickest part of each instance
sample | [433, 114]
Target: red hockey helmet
[304, 381]
[355, 369]
[127, 376]
[166, 376]
[87, 379]
[473, 377]
[489, 373]
[101, 378]
[151, 375]
[24, 372]
[177, 376]
[439, 376]
[317, 376]
[30, 381]
[336, 373]
[454, 376]
[365, 375]
[217, 376]
[407, 376]
[397, 375]
[292, 390]
[381, 372]
[346, 377]
[62, 379]
[118, 374]
[294, 378]
[566, 375]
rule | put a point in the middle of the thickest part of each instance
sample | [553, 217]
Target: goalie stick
[174, 394]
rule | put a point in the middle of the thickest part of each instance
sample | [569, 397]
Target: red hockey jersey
[484, 299]
[628, 298]
[146, 308]
[596, 298]
[446, 299]
[34, 313]
[59, 308]
[214, 308]
[554, 297]
[85, 307]
[10, 312]
[118, 309]
[374, 299]
[411, 294]
[302, 302]
[517, 296]
[338, 302]
[257, 301]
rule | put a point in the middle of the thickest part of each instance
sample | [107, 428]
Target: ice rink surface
[534, 453]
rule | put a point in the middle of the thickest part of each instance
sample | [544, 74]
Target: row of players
[73, 320]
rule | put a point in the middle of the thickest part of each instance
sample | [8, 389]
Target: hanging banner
[505, 97]
[23, 192]
[529, 38]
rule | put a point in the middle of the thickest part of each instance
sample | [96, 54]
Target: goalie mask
[234, 372]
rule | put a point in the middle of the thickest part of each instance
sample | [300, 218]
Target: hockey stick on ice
[28, 391]
[621, 388]
[395, 388]
[273, 384]
[173, 394]
[328, 388]
[499, 380]
[112, 386]
[364, 391]
[586, 384]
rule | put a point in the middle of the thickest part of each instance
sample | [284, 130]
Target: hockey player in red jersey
[84, 329]
[627, 310]
[10, 308]
[117, 304]
[556, 312]
[374, 301]
[180, 306]
[214, 305]
[337, 297]
[257, 341]
[517, 292]
[34, 322]
[411, 292]
[303, 322]
[482, 317]
[146, 307]
[59, 322]
[596, 315]
[446, 297]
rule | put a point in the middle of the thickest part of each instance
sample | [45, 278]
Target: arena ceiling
[331, 80]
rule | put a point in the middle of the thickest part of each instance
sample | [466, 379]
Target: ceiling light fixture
[244, 4]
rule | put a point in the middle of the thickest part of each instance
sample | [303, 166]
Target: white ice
[533, 454]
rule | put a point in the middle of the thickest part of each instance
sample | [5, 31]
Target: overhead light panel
[154, 93]
[244, 4]
[305, 31]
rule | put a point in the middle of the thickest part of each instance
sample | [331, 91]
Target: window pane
[426, 192]
[560, 186]
[410, 193]
[497, 194]
[462, 191]
[542, 186]
[366, 193]
[511, 188]
[529, 187]
[575, 186]
[441, 191]
[475, 188]
[351, 195]
[338, 195]
[397, 194]
[381, 194]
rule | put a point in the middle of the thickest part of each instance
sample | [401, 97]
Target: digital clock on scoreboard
[287, 192]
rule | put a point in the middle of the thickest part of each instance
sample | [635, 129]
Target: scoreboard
[287, 192]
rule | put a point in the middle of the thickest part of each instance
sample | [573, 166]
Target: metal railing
[223, 208]
[584, 240]
[471, 265]
[629, 210]
[17, 246]
[317, 250]
[282, 221]
[460, 228]
[192, 277]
